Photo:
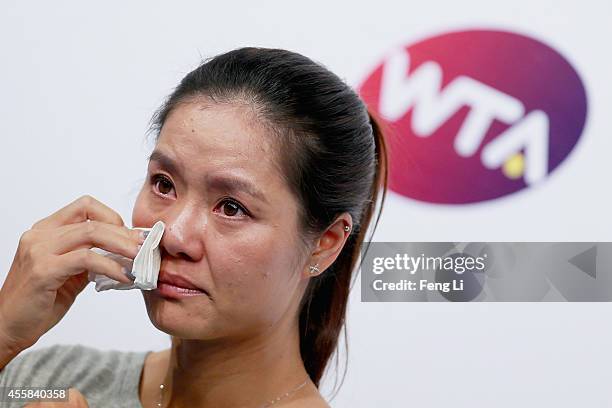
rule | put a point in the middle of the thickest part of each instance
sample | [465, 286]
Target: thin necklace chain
[266, 405]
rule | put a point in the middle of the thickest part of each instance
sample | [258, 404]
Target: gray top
[105, 378]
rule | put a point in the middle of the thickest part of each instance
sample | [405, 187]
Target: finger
[77, 400]
[76, 262]
[75, 285]
[82, 209]
[112, 238]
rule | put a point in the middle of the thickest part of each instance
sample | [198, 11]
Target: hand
[51, 265]
[75, 400]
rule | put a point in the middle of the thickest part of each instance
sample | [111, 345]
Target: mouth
[176, 286]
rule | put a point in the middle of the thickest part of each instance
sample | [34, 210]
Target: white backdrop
[79, 83]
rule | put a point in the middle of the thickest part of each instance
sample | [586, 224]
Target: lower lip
[176, 292]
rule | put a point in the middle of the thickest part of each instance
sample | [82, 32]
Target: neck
[222, 373]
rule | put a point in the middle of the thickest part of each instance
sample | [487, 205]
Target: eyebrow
[220, 183]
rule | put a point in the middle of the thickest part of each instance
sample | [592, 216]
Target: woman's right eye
[162, 184]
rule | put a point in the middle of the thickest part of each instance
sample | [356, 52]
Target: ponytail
[323, 311]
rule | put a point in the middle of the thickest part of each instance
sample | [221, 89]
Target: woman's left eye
[231, 207]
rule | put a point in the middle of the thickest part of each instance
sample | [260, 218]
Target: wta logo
[475, 115]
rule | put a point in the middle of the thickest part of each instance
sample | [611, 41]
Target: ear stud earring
[347, 228]
[314, 269]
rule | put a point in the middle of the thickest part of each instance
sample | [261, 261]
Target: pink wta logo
[475, 115]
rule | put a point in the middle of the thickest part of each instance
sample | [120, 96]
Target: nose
[185, 225]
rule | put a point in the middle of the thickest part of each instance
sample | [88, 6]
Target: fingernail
[143, 235]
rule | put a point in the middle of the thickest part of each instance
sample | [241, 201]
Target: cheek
[141, 215]
[256, 273]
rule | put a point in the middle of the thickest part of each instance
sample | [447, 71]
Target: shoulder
[30, 365]
[71, 357]
[92, 371]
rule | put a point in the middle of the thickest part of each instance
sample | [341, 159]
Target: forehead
[208, 140]
[222, 133]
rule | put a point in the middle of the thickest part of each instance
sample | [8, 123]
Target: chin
[178, 319]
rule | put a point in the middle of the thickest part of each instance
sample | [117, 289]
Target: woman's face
[231, 224]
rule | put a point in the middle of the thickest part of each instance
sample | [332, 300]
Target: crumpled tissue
[143, 269]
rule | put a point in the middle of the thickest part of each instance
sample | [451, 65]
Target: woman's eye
[162, 184]
[230, 208]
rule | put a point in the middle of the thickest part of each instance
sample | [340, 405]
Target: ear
[329, 245]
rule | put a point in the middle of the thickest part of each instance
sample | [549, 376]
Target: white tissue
[144, 268]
